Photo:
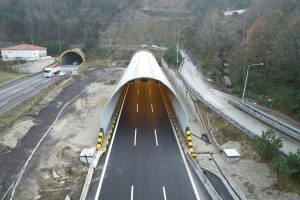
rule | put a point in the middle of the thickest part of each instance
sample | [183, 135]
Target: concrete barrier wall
[181, 90]
[33, 67]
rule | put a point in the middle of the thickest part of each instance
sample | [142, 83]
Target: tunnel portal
[72, 57]
[143, 67]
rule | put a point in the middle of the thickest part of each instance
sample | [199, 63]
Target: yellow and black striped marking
[78, 51]
[100, 139]
[189, 142]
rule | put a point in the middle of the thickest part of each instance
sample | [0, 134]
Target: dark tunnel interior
[71, 58]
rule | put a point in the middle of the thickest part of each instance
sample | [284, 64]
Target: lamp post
[252, 65]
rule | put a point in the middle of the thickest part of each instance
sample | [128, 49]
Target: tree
[293, 161]
[267, 145]
[280, 167]
[171, 56]
[89, 44]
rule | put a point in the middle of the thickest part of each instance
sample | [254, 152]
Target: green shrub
[170, 56]
[280, 167]
[267, 145]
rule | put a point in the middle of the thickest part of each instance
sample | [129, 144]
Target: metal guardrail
[199, 97]
[285, 128]
[208, 186]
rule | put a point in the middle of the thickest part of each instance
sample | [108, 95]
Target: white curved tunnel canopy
[144, 65]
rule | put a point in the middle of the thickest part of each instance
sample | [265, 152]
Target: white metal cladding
[144, 65]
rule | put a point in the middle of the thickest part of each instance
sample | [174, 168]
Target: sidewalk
[220, 100]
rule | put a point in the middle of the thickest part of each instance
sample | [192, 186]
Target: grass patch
[7, 76]
[222, 130]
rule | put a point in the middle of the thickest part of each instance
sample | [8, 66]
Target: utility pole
[59, 41]
[85, 33]
[248, 67]
[177, 45]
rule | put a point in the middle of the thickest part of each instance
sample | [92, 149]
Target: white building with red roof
[23, 52]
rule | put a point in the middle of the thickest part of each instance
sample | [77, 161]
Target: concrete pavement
[145, 160]
[16, 92]
[220, 100]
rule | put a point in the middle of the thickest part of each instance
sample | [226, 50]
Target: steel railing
[199, 97]
[281, 126]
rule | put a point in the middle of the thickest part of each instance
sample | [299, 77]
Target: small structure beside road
[25, 52]
[234, 12]
[231, 155]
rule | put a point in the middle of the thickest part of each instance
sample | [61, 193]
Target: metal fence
[199, 97]
[283, 127]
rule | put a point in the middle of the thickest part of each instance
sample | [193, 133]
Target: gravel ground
[249, 177]
[55, 170]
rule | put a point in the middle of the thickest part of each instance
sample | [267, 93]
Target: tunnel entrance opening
[144, 70]
[72, 57]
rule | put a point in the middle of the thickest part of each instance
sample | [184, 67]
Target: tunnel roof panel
[143, 65]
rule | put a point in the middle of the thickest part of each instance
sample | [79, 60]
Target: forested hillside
[67, 20]
[268, 32]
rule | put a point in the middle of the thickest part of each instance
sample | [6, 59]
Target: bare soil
[57, 171]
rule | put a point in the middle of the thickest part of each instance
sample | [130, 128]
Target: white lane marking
[131, 195]
[137, 107]
[150, 92]
[164, 191]
[46, 80]
[18, 178]
[14, 91]
[151, 107]
[134, 143]
[28, 90]
[181, 152]
[109, 151]
[2, 104]
[36, 80]
[16, 85]
[155, 137]
[138, 91]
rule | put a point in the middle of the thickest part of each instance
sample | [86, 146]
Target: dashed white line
[137, 107]
[28, 90]
[181, 151]
[138, 91]
[14, 91]
[131, 194]
[36, 80]
[155, 137]
[134, 143]
[18, 178]
[46, 80]
[2, 104]
[23, 82]
[164, 191]
[150, 92]
[109, 151]
[151, 107]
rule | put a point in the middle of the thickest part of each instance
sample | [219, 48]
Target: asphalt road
[145, 160]
[16, 92]
[220, 101]
[12, 160]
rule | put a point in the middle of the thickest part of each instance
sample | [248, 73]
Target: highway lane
[145, 160]
[20, 90]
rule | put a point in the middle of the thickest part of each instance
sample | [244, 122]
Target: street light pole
[260, 64]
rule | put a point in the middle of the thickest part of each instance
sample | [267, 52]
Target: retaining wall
[33, 67]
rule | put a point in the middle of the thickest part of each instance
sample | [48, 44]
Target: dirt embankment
[57, 171]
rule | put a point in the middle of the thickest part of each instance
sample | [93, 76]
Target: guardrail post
[100, 139]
